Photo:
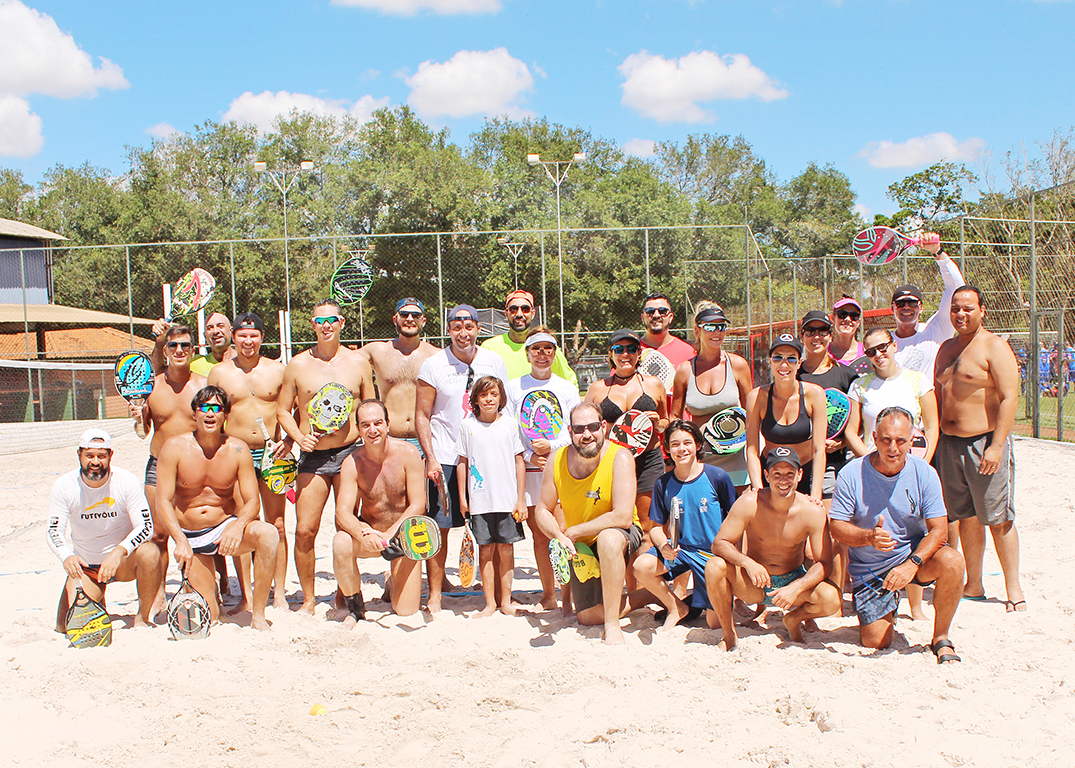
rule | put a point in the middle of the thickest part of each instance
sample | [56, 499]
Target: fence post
[130, 298]
[440, 292]
[26, 331]
[1035, 341]
[795, 291]
[1061, 374]
[544, 293]
[646, 233]
[231, 258]
[962, 244]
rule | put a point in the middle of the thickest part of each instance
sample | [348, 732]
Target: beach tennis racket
[919, 444]
[280, 473]
[861, 365]
[190, 293]
[417, 538]
[442, 494]
[633, 430]
[675, 522]
[585, 563]
[88, 623]
[350, 281]
[541, 415]
[837, 409]
[560, 557]
[726, 432]
[189, 616]
[466, 557]
[330, 407]
[653, 363]
[880, 245]
[134, 381]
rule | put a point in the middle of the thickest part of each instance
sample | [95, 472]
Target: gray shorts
[967, 492]
[446, 518]
[327, 462]
[587, 594]
[496, 528]
[151, 471]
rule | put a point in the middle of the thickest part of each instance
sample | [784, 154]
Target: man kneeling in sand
[777, 521]
[197, 477]
[387, 476]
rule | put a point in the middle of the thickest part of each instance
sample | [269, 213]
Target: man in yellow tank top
[594, 482]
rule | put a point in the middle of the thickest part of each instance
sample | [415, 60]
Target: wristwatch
[916, 560]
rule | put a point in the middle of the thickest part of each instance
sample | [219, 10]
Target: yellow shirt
[590, 497]
[202, 364]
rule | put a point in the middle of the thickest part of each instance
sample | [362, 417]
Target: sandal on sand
[1014, 607]
[944, 658]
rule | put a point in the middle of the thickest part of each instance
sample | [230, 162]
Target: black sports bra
[611, 412]
[798, 431]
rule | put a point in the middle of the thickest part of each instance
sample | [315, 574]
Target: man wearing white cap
[111, 528]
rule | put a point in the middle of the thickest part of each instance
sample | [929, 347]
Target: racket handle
[260, 422]
[139, 423]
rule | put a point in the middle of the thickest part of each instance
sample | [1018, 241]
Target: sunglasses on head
[619, 349]
[712, 327]
[843, 314]
[322, 319]
[874, 351]
[210, 407]
[662, 311]
[580, 429]
[789, 359]
[179, 345]
[519, 308]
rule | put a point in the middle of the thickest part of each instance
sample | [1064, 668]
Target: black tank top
[798, 431]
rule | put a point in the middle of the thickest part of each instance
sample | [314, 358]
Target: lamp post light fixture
[515, 249]
[557, 170]
[284, 179]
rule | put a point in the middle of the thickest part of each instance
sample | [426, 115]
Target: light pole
[557, 171]
[284, 179]
[515, 249]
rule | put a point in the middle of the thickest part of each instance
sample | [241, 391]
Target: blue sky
[879, 88]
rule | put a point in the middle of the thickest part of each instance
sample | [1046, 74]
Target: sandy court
[535, 690]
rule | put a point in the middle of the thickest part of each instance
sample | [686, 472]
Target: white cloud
[161, 130]
[20, 129]
[640, 147]
[471, 83]
[671, 89]
[921, 151]
[863, 211]
[263, 108]
[411, 7]
[37, 57]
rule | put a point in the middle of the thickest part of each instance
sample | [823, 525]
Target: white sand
[535, 690]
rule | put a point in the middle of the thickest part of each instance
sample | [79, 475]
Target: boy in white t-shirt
[492, 488]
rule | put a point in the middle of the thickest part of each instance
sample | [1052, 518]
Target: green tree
[15, 194]
[933, 194]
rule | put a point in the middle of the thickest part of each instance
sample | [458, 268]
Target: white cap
[95, 434]
[537, 338]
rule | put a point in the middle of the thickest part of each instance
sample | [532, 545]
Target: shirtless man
[778, 522]
[396, 364]
[386, 477]
[197, 479]
[253, 385]
[322, 455]
[977, 385]
[167, 409]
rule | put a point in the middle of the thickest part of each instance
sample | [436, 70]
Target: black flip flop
[944, 658]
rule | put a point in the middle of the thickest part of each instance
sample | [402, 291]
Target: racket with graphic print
[633, 430]
[189, 617]
[466, 557]
[417, 538]
[190, 293]
[860, 365]
[653, 363]
[880, 245]
[134, 382]
[330, 407]
[726, 432]
[919, 444]
[88, 624]
[560, 557]
[837, 410]
[541, 415]
[278, 473]
[351, 281]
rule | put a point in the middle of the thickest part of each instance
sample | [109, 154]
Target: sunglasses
[662, 311]
[845, 315]
[210, 407]
[179, 345]
[322, 319]
[817, 330]
[519, 308]
[405, 313]
[580, 429]
[903, 303]
[546, 350]
[711, 327]
[873, 352]
[789, 359]
[619, 349]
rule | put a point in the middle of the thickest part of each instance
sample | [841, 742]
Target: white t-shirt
[549, 394]
[919, 351]
[875, 394]
[490, 451]
[100, 518]
[448, 375]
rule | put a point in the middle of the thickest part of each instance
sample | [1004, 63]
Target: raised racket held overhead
[880, 245]
[134, 381]
[190, 293]
[351, 281]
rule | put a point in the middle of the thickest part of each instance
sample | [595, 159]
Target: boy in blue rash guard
[705, 494]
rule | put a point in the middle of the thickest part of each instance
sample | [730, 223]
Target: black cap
[711, 315]
[247, 320]
[623, 334]
[816, 315]
[782, 454]
[906, 292]
[786, 340]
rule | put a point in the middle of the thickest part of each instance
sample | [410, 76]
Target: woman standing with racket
[788, 412]
[625, 390]
[713, 381]
[541, 401]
